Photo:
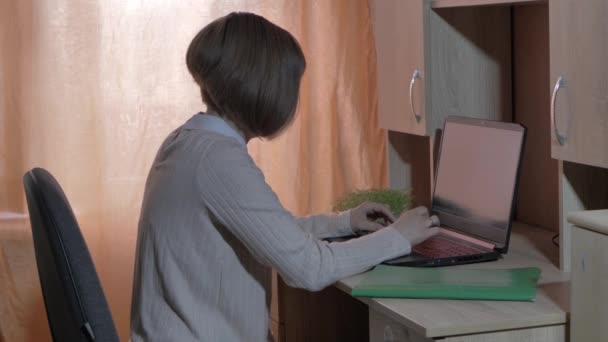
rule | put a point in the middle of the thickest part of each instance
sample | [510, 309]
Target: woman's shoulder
[221, 152]
[226, 160]
[206, 147]
[216, 145]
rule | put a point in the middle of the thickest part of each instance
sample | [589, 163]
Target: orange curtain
[89, 89]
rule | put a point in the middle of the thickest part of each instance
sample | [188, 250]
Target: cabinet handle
[415, 76]
[388, 334]
[561, 139]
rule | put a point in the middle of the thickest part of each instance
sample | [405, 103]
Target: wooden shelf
[466, 3]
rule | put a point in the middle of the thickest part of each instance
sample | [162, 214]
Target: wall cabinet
[432, 63]
[579, 74]
[399, 37]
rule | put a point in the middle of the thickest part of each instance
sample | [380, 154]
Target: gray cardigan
[211, 230]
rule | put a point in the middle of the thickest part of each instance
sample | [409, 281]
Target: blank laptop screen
[477, 174]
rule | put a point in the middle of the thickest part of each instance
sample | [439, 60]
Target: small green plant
[397, 200]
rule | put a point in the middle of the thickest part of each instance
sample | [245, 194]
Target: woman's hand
[416, 225]
[369, 217]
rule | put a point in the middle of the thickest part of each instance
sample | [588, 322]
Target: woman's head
[249, 72]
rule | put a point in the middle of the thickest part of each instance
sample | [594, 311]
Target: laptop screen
[476, 177]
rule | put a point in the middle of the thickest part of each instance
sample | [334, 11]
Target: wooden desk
[453, 320]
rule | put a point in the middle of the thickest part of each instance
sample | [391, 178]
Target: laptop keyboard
[440, 247]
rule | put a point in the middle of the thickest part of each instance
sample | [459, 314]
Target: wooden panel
[275, 303]
[384, 329]
[537, 200]
[464, 3]
[589, 283]
[595, 220]
[398, 32]
[277, 331]
[328, 315]
[410, 165]
[530, 247]
[581, 187]
[468, 62]
[555, 333]
[579, 51]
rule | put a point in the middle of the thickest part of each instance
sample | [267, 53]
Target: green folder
[516, 284]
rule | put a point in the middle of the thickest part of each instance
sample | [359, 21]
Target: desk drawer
[384, 329]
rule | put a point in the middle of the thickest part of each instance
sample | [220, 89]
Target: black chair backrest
[75, 304]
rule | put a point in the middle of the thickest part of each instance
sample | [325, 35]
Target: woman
[211, 229]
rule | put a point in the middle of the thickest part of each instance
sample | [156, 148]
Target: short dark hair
[249, 71]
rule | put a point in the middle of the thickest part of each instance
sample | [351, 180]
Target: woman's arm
[323, 226]
[365, 218]
[234, 190]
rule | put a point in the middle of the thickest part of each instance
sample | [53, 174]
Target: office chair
[75, 304]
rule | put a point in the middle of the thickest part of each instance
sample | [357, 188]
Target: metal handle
[415, 76]
[561, 139]
[388, 334]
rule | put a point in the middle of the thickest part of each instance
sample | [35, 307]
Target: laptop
[474, 193]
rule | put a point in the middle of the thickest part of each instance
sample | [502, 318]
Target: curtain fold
[89, 89]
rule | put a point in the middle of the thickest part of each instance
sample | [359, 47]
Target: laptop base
[417, 260]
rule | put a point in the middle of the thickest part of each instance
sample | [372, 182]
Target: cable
[553, 239]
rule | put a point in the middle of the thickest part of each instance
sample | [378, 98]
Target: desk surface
[530, 246]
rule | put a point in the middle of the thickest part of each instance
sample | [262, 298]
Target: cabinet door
[384, 329]
[579, 53]
[589, 299]
[399, 37]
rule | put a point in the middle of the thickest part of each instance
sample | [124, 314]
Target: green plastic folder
[516, 284]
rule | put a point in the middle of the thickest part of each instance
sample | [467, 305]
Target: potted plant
[397, 200]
